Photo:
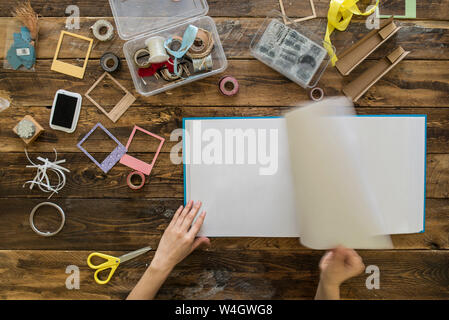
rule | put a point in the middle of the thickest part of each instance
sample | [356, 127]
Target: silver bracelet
[46, 234]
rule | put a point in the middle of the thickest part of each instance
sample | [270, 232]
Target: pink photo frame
[135, 163]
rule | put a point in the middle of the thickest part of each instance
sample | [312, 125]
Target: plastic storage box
[291, 49]
[138, 20]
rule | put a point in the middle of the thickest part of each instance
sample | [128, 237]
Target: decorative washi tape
[316, 94]
[97, 30]
[47, 234]
[228, 86]
[142, 58]
[204, 64]
[131, 175]
[107, 59]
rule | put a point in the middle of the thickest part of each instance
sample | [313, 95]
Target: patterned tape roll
[316, 94]
[228, 86]
[100, 24]
[142, 58]
[132, 174]
[106, 59]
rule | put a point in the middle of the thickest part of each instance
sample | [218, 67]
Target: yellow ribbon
[338, 17]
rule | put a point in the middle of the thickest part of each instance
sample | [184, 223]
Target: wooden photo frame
[67, 68]
[120, 108]
[312, 5]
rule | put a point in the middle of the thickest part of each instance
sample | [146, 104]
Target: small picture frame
[286, 22]
[112, 158]
[120, 108]
[67, 68]
[137, 164]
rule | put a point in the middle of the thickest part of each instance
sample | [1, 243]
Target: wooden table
[103, 214]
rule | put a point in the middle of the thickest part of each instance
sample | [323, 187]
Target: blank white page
[393, 151]
[239, 201]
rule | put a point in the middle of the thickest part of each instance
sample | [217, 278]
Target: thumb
[202, 242]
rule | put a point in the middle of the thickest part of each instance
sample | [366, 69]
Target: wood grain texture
[410, 84]
[425, 39]
[226, 274]
[430, 9]
[86, 180]
[164, 120]
[103, 214]
[126, 224]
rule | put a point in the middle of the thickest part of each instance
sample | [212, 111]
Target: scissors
[111, 262]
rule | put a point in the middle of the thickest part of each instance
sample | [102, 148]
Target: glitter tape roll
[204, 64]
[47, 234]
[106, 59]
[96, 30]
[132, 174]
[142, 58]
[316, 94]
[228, 86]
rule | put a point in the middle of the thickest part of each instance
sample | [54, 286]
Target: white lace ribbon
[42, 180]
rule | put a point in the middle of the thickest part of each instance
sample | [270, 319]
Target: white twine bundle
[41, 179]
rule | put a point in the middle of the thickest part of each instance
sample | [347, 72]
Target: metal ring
[46, 234]
[224, 81]
[133, 186]
[316, 94]
[108, 56]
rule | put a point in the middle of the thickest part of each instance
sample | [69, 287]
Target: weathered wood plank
[126, 224]
[86, 180]
[411, 83]
[425, 39]
[164, 120]
[226, 274]
[435, 10]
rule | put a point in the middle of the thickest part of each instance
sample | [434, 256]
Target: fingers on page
[184, 212]
[191, 215]
[198, 223]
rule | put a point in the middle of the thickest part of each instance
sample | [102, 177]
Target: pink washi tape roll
[316, 94]
[228, 86]
[132, 174]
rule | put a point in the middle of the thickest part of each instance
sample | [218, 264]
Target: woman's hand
[337, 266]
[179, 239]
[177, 242]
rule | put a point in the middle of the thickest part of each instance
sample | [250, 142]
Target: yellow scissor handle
[110, 263]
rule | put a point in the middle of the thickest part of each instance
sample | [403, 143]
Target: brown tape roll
[202, 46]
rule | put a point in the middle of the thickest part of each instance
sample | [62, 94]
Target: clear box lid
[136, 17]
